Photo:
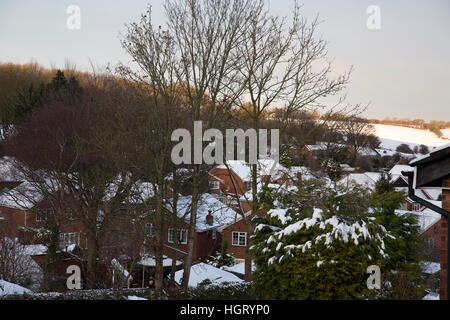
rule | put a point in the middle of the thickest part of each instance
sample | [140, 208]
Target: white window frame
[182, 236]
[214, 185]
[214, 234]
[68, 238]
[416, 206]
[149, 230]
[239, 236]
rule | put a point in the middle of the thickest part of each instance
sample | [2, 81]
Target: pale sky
[403, 69]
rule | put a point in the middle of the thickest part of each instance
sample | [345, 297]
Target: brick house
[211, 215]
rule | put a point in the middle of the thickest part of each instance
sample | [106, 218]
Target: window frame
[240, 235]
[68, 238]
[182, 236]
[149, 230]
[214, 185]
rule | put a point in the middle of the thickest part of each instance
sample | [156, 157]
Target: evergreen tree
[317, 251]
[404, 248]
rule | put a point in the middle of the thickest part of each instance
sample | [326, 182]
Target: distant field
[393, 136]
[446, 133]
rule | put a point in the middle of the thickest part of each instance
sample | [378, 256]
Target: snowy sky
[403, 69]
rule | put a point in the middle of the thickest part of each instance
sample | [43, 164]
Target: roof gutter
[412, 195]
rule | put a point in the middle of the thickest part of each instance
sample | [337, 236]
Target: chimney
[209, 218]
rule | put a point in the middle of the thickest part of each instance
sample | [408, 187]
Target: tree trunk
[159, 269]
[92, 252]
[191, 236]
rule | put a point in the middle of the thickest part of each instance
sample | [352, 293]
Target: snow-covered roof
[36, 249]
[202, 271]
[305, 172]
[142, 191]
[118, 266]
[367, 179]
[433, 193]
[322, 146]
[431, 267]
[398, 168]
[239, 268]
[222, 214]
[24, 196]
[248, 196]
[8, 288]
[243, 169]
[425, 219]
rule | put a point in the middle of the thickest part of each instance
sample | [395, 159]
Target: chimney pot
[209, 218]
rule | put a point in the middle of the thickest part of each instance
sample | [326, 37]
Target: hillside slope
[393, 136]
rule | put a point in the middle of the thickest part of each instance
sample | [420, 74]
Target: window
[239, 239]
[67, 239]
[214, 185]
[182, 236]
[403, 206]
[416, 206]
[149, 231]
[70, 214]
[41, 214]
[214, 234]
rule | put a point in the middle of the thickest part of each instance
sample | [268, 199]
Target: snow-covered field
[446, 133]
[392, 136]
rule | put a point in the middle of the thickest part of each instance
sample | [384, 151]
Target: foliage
[225, 291]
[404, 148]
[404, 250]
[321, 252]
[223, 258]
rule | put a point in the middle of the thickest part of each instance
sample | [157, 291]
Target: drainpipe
[435, 208]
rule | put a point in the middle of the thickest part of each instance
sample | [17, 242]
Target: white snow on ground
[445, 133]
[431, 267]
[135, 298]
[203, 271]
[8, 288]
[431, 296]
[392, 136]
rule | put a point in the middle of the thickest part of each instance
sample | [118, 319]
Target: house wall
[444, 240]
[227, 234]
[226, 185]
[204, 245]
[433, 234]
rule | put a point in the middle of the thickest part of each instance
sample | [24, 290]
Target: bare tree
[279, 66]
[16, 265]
[193, 58]
[358, 133]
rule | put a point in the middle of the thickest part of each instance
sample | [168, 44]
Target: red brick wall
[444, 240]
[227, 184]
[227, 233]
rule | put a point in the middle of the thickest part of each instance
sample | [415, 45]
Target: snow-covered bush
[317, 249]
